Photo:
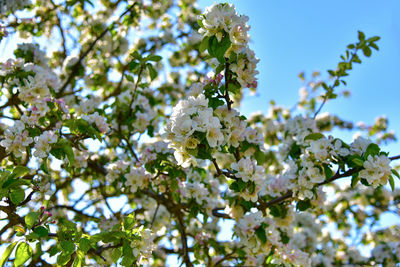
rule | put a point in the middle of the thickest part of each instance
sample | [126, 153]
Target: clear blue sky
[294, 36]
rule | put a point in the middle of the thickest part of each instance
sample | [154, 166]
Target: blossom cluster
[174, 155]
[222, 21]
[191, 123]
[121, 172]
[253, 225]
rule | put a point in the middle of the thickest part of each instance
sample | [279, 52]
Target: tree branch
[75, 67]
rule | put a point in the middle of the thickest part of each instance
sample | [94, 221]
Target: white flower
[320, 148]
[250, 221]
[98, 120]
[136, 179]
[16, 139]
[359, 145]
[248, 170]
[42, 144]
[376, 170]
[214, 137]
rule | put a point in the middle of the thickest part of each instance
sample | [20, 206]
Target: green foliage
[23, 253]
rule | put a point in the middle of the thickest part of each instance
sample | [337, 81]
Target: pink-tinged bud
[53, 221]
[48, 213]
[34, 108]
[219, 78]
[42, 208]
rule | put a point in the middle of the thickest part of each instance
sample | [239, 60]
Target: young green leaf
[31, 218]
[6, 254]
[22, 254]
[20, 171]
[17, 196]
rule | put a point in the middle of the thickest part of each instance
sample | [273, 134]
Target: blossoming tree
[123, 150]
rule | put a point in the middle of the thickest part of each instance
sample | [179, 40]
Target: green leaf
[374, 39]
[129, 222]
[260, 157]
[367, 51]
[7, 253]
[303, 205]
[276, 211]
[31, 218]
[84, 244]
[152, 71]
[79, 259]
[215, 102]
[77, 262]
[372, 149]
[220, 68]
[53, 250]
[204, 44]
[358, 162]
[395, 173]
[132, 66]
[354, 180]
[212, 44]
[70, 153]
[328, 171]
[41, 231]
[314, 136]
[17, 196]
[260, 232]
[154, 58]
[20, 171]
[234, 87]
[238, 185]
[63, 258]
[218, 49]
[128, 257]
[116, 254]
[295, 151]
[391, 182]
[22, 253]
[129, 78]
[222, 47]
[12, 182]
[361, 36]
[44, 166]
[373, 45]
[68, 247]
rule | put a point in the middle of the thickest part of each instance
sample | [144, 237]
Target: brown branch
[395, 157]
[75, 67]
[181, 227]
[227, 99]
[227, 256]
[220, 215]
[227, 173]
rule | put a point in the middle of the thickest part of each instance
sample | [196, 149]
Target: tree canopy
[122, 143]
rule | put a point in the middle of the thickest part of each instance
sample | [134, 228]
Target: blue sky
[294, 36]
